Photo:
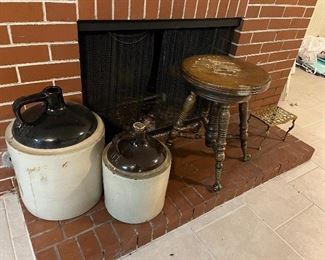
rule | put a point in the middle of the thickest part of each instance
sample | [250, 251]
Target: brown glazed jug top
[136, 151]
[51, 123]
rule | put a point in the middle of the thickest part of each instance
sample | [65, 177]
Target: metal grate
[132, 75]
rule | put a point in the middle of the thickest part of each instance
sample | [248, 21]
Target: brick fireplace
[39, 42]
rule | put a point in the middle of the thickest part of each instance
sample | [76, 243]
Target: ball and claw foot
[247, 157]
[216, 187]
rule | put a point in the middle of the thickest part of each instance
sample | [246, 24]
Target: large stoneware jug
[56, 148]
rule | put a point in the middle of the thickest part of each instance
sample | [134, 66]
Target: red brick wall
[38, 47]
[270, 35]
[39, 42]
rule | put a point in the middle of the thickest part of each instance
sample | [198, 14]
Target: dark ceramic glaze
[51, 123]
[136, 151]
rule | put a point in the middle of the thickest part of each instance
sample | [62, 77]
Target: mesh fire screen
[131, 75]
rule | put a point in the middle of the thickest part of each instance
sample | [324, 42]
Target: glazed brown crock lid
[135, 151]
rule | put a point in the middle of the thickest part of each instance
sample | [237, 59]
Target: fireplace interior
[131, 69]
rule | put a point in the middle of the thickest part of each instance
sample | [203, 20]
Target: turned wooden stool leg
[243, 126]
[220, 145]
[186, 111]
[211, 129]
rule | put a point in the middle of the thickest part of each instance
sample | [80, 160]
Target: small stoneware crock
[136, 169]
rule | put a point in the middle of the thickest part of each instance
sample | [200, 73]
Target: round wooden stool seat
[222, 80]
[214, 77]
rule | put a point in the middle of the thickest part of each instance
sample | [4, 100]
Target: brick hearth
[39, 42]
[96, 234]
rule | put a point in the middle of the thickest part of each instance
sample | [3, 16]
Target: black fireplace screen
[132, 75]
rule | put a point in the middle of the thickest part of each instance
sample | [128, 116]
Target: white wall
[317, 23]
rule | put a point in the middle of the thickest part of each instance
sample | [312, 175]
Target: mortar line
[217, 10]
[207, 9]
[171, 9]
[144, 9]
[44, 11]
[196, 7]
[184, 9]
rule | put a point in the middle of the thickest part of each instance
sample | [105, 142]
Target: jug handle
[20, 102]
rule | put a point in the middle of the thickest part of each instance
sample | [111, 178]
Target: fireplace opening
[130, 70]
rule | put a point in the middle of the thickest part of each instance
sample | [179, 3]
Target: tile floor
[14, 238]
[96, 235]
[283, 218]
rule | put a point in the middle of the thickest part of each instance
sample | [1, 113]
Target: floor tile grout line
[288, 182]
[294, 216]
[175, 231]
[11, 241]
[219, 218]
[313, 160]
[320, 208]
[287, 243]
[196, 237]
[2, 203]
[280, 179]
[273, 231]
[303, 174]
[318, 164]
[10, 230]
[306, 197]
[31, 246]
[15, 196]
